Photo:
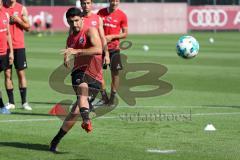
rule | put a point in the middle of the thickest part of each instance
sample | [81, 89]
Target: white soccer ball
[145, 48]
[187, 47]
[211, 40]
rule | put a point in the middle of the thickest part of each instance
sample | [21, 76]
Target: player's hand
[106, 60]
[109, 38]
[15, 19]
[69, 51]
[11, 58]
[66, 62]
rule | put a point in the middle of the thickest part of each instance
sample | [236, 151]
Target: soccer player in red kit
[85, 45]
[5, 41]
[18, 24]
[94, 20]
[115, 26]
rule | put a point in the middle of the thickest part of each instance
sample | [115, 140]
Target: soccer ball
[187, 47]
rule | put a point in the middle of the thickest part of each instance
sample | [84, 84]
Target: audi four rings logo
[208, 18]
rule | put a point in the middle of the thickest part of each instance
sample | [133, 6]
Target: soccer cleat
[4, 110]
[10, 106]
[111, 102]
[26, 106]
[53, 148]
[87, 126]
[101, 102]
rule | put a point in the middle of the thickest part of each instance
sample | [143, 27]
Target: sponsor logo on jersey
[109, 19]
[15, 13]
[110, 25]
[3, 30]
[5, 21]
[81, 40]
[94, 23]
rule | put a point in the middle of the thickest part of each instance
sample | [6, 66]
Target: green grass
[207, 86]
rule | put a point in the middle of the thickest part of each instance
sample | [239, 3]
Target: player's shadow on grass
[40, 147]
[30, 146]
[224, 106]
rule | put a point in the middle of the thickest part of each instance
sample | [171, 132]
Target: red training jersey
[3, 31]
[112, 24]
[92, 20]
[16, 31]
[90, 65]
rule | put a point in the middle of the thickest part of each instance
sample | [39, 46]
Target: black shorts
[36, 25]
[115, 60]
[20, 61]
[3, 62]
[79, 77]
[48, 25]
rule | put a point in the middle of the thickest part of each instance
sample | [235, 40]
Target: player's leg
[3, 66]
[21, 65]
[116, 66]
[68, 123]
[3, 109]
[9, 83]
[80, 82]
[114, 86]
[9, 88]
[104, 100]
[84, 106]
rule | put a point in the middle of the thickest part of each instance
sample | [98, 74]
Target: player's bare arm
[96, 48]
[9, 40]
[66, 60]
[122, 35]
[104, 42]
[23, 22]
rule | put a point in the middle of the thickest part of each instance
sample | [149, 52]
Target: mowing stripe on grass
[113, 117]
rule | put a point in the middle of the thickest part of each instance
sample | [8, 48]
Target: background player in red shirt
[18, 23]
[85, 44]
[94, 20]
[115, 26]
[5, 41]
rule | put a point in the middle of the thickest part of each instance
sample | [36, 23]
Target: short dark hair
[71, 12]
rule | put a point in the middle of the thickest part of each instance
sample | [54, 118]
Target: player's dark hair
[71, 12]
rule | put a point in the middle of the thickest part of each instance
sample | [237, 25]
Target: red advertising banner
[214, 18]
[147, 18]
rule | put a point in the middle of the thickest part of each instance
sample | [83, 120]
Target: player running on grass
[85, 45]
[115, 26]
[5, 41]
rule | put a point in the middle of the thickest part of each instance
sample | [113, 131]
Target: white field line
[134, 107]
[195, 114]
[160, 151]
[28, 120]
[112, 117]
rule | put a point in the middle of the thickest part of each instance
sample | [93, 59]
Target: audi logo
[208, 18]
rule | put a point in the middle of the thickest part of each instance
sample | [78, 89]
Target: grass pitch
[205, 90]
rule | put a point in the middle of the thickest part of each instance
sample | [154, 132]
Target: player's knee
[115, 72]
[8, 74]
